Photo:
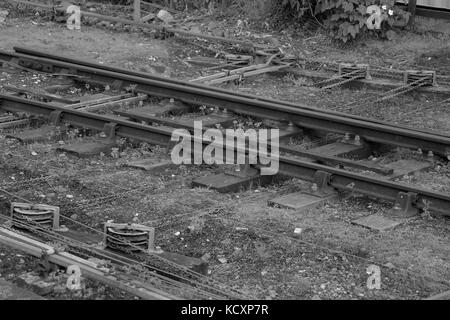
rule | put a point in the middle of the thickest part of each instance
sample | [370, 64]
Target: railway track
[369, 130]
[306, 117]
[159, 279]
[289, 165]
[136, 271]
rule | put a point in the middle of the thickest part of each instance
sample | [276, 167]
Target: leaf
[327, 6]
[348, 7]
[354, 31]
[349, 30]
[318, 8]
[362, 9]
[345, 28]
[335, 17]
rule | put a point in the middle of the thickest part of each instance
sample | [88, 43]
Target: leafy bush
[298, 7]
[346, 19]
[286, 12]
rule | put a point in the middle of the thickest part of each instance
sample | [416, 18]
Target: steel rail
[43, 54]
[39, 249]
[338, 179]
[282, 147]
[383, 133]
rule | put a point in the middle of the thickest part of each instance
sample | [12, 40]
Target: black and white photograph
[238, 158]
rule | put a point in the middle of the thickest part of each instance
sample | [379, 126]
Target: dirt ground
[264, 257]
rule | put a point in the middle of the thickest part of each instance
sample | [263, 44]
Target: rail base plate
[32, 135]
[299, 200]
[87, 149]
[230, 183]
[379, 222]
[154, 166]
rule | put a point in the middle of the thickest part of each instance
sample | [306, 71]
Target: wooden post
[137, 10]
[412, 9]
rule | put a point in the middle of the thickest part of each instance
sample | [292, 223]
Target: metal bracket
[110, 130]
[353, 139]
[45, 267]
[244, 59]
[40, 214]
[120, 236]
[55, 117]
[447, 153]
[405, 205]
[360, 70]
[321, 184]
[429, 77]
[165, 33]
[169, 146]
[35, 65]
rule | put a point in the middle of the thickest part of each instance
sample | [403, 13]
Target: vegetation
[345, 20]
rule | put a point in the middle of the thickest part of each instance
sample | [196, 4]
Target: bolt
[172, 100]
[357, 139]
[314, 187]
[225, 110]
[347, 137]
[430, 154]
[290, 126]
[419, 151]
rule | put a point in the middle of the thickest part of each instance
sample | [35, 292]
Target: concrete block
[32, 135]
[154, 166]
[379, 222]
[407, 166]
[300, 200]
[209, 120]
[342, 149]
[87, 149]
[195, 264]
[151, 110]
[223, 182]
